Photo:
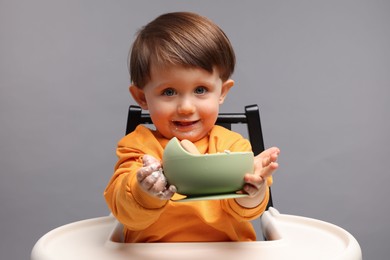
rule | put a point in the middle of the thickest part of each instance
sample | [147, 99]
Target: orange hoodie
[149, 219]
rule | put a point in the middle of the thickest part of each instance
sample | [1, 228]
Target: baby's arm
[152, 180]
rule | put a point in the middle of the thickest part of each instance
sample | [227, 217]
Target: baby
[180, 67]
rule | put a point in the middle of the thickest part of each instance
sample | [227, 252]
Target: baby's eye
[200, 90]
[169, 92]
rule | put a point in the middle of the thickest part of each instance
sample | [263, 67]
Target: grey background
[318, 69]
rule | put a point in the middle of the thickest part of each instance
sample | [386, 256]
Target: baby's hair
[180, 39]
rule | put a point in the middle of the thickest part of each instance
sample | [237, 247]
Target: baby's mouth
[184, 123]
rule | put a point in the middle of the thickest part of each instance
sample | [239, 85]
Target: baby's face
[184, 102]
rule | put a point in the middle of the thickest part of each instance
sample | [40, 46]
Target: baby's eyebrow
[164, 86]
[205, 82]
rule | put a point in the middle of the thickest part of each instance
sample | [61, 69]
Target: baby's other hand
[265, 164]
[152, 180]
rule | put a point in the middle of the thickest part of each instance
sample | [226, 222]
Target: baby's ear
[226, 86]
[139, 96]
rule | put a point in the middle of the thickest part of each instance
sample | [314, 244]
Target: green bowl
[205, 174]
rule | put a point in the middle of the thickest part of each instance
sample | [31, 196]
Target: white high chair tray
[289, 237]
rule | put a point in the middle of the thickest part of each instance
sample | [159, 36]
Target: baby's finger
[168, 193]
[148, 159]
[270, 159]
[270, 151]
[144, 172]
[148, 182]
[269, 170]
[254, 180]
[160, 183]
[250, 189]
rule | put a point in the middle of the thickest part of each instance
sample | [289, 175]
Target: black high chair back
[251, 118]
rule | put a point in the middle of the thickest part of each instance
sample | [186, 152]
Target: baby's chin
[192, 136]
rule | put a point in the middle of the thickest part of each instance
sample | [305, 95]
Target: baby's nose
[186, 107]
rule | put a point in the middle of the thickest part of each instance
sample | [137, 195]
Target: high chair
[287, 236]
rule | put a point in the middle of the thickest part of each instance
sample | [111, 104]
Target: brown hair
[184, 39]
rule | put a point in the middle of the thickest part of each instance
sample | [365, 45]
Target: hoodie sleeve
[132, 206]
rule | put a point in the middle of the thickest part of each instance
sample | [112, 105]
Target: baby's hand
[152, 180]
[265, 164]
